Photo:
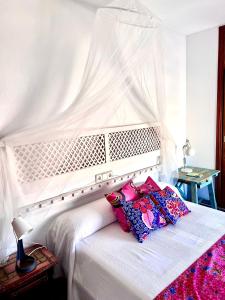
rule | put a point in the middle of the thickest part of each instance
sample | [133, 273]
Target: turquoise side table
[203, 178]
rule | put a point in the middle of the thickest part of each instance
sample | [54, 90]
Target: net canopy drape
[125, 61]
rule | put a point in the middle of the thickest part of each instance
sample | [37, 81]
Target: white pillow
[78, 223]
[72, 226]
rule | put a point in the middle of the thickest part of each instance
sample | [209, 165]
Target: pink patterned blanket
[203, 280]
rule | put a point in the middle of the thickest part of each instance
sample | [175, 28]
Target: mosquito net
[125, 63]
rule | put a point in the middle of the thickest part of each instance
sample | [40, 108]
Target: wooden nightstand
[16, 286]
[205, 179]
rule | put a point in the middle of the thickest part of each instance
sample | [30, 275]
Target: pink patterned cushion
[149, 186]
[170, 204]
[127, 193]
[144, 217]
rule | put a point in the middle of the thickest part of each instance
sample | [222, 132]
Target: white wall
[202, 61]
[175, 80]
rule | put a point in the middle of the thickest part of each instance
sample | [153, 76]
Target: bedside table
[14, 285]
[205, 179]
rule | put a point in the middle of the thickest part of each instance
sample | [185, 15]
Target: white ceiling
[184, 16]
[189, 16]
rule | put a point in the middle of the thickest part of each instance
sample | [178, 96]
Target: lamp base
[26, 265]
[186, 170]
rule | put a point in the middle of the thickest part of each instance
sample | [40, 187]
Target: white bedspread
[112, 265]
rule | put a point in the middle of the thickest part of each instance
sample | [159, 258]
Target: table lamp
[187, 151]
[24, 263]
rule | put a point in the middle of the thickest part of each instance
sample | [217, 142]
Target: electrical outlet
[107, 175]
[98, 177]
[103, 176]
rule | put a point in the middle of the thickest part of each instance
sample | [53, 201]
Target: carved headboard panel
[49, 159]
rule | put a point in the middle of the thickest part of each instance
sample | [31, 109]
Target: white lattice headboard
[49, 159]
[69, 164]
[42, 160]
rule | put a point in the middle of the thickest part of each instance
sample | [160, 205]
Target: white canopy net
[125, 62]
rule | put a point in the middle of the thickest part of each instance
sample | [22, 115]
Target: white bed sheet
[112, 265]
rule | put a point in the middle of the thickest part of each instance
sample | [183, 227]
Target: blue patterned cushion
[169, 203]
[143, 216]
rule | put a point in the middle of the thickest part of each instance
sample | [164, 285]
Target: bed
[103, 262]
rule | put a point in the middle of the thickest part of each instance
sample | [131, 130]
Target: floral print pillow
[143, 216]
[149, 186]
[127, 193]
[169, 203]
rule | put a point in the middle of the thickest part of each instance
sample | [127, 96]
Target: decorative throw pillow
[149, 186]
[170, 204]
[143, 216]
[127, 193]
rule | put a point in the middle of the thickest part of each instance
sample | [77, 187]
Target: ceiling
[184, 16]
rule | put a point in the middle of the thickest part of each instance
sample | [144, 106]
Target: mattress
[111, 264]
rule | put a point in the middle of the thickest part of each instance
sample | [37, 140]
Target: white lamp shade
[21, 227]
